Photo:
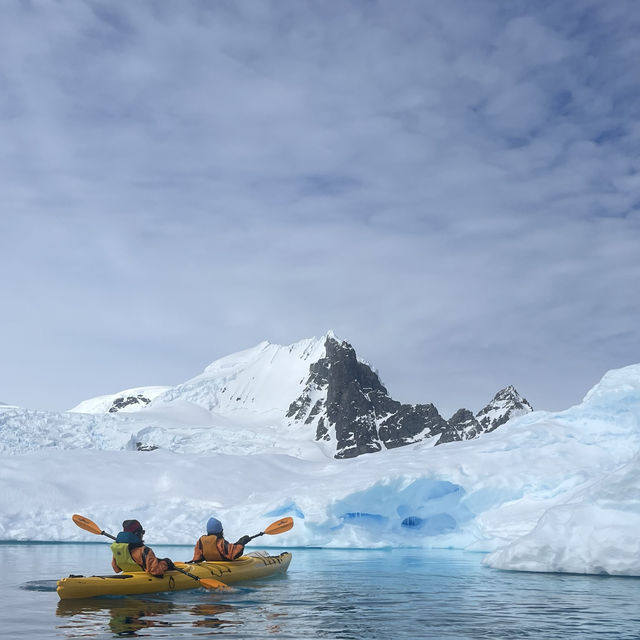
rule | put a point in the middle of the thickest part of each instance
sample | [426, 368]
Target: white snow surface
[264, 379]
[547, 491]
[102, 404]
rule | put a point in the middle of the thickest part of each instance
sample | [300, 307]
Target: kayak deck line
[250, 567]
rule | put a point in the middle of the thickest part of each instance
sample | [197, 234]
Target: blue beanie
[214, 526]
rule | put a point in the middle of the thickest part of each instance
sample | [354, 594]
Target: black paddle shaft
[257, 535]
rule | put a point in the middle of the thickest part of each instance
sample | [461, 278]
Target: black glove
[169, 563]
[244, 540]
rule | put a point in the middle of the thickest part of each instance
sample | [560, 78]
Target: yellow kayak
[249, 567]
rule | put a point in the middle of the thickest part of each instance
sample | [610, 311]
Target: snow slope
[264, 379]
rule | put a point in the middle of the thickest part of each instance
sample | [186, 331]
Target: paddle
[92, 527]
[209, 583]
[280, 526]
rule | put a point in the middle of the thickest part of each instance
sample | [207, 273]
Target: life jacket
[121, 550]
[209, 547]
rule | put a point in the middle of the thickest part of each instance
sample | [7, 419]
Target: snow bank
[596, 532]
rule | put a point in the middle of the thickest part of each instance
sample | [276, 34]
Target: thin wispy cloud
[453, 187]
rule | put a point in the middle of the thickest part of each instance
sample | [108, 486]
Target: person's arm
[198, 555]
[116, 568]
[145, 557]
[228, 550]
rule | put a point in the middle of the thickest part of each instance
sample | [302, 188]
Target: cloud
[451, 188]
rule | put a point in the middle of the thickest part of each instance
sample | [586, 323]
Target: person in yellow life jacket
[131, 554]
[214, 547]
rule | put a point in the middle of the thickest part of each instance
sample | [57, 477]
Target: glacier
[547, 491]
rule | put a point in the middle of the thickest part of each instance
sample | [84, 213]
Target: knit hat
[133, 526]
[214, 526]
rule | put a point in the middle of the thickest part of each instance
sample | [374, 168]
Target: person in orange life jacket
[214, 547]
[131, 554]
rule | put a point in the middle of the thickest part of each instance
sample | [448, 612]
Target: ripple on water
[400, 594]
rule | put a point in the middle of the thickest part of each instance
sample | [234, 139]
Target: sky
[453, 188]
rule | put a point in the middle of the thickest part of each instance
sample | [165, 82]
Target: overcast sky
[453, 187]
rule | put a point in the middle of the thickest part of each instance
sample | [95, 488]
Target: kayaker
[131, 554]
[214, 547]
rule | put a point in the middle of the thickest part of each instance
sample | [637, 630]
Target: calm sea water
[361, 594]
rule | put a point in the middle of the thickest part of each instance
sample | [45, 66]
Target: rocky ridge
[128, 401]
[345, 402]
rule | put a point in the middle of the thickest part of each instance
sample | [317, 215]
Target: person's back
[214, 548]
[130, 554]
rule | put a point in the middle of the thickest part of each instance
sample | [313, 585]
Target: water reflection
[327, 594]
[126, 617]
[210, 613]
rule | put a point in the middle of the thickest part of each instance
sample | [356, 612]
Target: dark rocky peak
[462, 426]
[336, 400]
[125, 401]
[347, 404]
[346, 401]
[506, 404]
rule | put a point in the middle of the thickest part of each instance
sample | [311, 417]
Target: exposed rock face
[126, 401]
[345, 401]
[337, 399]
[145, 447]
[506, 404]
[462, 426]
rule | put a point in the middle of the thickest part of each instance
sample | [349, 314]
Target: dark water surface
[357, 594]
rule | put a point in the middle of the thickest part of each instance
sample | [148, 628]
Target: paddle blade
[86, 524]
[280, 526]
[210, 583]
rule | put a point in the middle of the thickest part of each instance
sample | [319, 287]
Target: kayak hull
[124, 584]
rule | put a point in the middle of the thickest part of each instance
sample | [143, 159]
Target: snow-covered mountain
[544, 492]
[316, 390]
[506, 404]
